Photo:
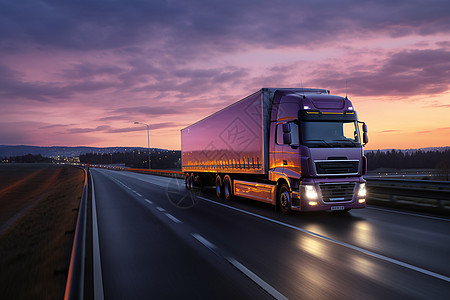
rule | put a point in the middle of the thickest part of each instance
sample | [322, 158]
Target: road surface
[158, 241]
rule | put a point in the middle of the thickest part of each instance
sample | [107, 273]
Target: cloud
[90, 70]
[389, 131]
[109, 129]
[13, 85]
[88, 130]
[214, 26]
[186, 82]
[149, 110]
[153, 126]
[404, 73]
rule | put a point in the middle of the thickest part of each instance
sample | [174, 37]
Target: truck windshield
[333, 134]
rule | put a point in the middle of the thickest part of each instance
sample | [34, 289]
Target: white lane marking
[204, 241]
[160, 208]
[138, 194]
[173, 218]
[267, 287]
[356, 248]
[409, 214]
[148, 201]
[98, 280]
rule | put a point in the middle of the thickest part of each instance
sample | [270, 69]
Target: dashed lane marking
[204, 241]
[267, 287]
[173, 218]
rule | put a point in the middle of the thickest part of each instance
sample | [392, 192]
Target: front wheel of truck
[284, 199]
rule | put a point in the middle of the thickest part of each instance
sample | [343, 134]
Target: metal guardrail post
[75, 278]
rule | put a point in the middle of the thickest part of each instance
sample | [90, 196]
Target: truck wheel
[284, 199]
[219, 188]
[186, 181]
[227, 188]
[190, 182]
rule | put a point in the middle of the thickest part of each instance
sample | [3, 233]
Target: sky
[80, 73]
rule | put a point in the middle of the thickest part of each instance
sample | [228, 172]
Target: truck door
[280, 148]
[287, 155]
[291, 152]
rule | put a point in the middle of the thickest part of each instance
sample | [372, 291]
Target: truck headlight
[362, 192]
[310, 192]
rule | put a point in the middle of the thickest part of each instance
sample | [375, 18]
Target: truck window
[330, 134]
[294, 134]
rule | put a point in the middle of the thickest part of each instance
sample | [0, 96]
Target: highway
[157, 240]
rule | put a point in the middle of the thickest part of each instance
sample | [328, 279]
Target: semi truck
[299, 149]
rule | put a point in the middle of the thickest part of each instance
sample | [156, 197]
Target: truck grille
[337, 192]
[330, 167]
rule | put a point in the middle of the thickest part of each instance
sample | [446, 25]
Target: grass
[35, 248]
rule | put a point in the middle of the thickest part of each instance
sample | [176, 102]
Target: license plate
[337, 208]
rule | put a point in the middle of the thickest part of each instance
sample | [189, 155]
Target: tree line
[28, 158]
[136, 159]
[396, 159]
[167, 159]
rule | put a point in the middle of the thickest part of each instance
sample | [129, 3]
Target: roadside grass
[35, 249]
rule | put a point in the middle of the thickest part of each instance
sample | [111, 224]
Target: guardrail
[75, 278]
[421, 193]
[166, 173]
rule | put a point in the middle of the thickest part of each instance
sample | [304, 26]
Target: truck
[299, 149]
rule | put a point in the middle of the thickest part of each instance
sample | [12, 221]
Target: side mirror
[286, 128]
[365, 138]
[287, 139]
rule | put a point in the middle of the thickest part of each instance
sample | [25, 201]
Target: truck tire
[186, 180]
[227, 188]
[190, 182]
[219, 187]
[284, 199]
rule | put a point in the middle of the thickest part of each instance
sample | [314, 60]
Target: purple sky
[81, 72]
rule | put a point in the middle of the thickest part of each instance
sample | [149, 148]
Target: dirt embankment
[37, 220]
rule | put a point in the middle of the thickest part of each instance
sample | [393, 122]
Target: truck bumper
[334, 206]
[336, 195]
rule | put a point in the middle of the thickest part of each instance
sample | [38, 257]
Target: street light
[148, 142]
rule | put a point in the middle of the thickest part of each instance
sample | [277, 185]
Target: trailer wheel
[284, 199]
[190, 181]
[227, 188]
[219, 188]
[186, 180]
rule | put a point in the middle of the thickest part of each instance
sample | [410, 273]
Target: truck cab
[316, 148]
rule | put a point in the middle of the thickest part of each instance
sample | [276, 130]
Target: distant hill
[55, 151]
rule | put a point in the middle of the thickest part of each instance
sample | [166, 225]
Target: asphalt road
[158, 241]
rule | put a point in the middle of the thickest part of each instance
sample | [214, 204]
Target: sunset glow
[81, 73]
